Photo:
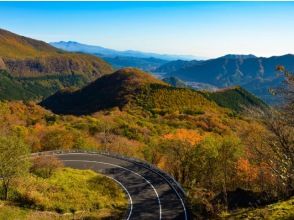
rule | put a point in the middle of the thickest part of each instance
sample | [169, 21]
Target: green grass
[9, 211]
[83, 191]
[283, 210]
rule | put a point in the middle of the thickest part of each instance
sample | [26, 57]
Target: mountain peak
[134, 75]
[66, 42]
[239, 56]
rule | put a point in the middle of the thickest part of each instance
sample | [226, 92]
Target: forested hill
[236, 98]
[108, 91]
[23, 57]
[32, 69]
[132, 87]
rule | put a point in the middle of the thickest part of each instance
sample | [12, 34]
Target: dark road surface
[150, 195]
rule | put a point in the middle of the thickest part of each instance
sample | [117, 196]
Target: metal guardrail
[170, 180]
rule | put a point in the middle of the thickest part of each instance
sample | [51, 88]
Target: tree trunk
[5, 190]
[290, 187]
[225, 196]
[225, 185]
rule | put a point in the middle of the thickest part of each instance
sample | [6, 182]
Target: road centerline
[93, 161]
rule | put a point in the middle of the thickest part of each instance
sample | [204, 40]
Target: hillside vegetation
[32, 69]
[83, 192]
[235, 98]
[175, 82]
[283, 210]
[185, 139]
[12, 89]
[36, 88]
[132, 87]
[24, 57]
[113, 90]
[19, 47]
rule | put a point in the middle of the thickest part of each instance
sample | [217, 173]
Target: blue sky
[205, 29]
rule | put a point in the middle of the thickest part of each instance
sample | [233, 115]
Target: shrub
[45, 166]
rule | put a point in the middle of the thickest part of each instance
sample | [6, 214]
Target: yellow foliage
[191, 136]
[246, 171]
[162, 164]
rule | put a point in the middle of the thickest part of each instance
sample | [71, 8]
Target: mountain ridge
[32, 69]
[256, 74]
[27, 57]
[102, 51]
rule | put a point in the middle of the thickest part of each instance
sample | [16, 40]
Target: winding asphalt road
[150, 194]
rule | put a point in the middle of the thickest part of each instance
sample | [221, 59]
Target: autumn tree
[254, 136]
[13, 160]
[180, 159]
[247, 172]
[279, 121]
[190, 136]
[207, 159]
[229, 152]
[44, 166]
[57, 138]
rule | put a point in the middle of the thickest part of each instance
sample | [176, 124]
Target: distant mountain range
[146, 64]
[176, 82]
[120, 59]
[256, 74]
[239, 56]
[105, 52]
[175, 65]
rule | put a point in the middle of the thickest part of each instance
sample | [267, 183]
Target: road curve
[150, 195]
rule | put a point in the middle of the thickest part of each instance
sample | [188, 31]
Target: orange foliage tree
[191, 136]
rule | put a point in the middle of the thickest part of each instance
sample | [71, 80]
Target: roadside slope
[151, 196]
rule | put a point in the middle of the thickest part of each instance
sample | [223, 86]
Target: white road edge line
[183, 204]
[130, 198]
[92, 161]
